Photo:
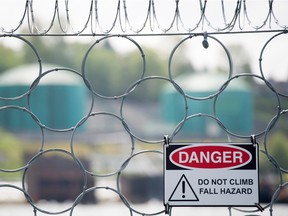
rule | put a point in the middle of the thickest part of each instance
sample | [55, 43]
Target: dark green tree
[9, 58]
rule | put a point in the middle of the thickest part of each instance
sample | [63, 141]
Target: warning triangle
[183, 191]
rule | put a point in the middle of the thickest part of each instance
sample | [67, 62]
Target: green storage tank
[58, 101]
[234, 105]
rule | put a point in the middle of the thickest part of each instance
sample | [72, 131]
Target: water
[119, 209]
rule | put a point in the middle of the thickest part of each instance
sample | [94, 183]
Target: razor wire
[123, 12]
[122, 21]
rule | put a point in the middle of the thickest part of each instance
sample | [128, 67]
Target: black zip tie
[253, 139]
[205, 43]
[167, 209]
[260, 208]
[166, 140]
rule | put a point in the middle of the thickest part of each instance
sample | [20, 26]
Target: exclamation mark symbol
[183, 189]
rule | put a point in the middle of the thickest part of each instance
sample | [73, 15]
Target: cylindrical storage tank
[234, 105]
[58, 100]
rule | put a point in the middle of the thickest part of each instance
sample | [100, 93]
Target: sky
[273, 61]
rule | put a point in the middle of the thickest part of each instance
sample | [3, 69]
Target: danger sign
[211, 174]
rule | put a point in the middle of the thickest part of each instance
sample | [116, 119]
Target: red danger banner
[210, 157]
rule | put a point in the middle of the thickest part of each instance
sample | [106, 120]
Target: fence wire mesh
[122, 14]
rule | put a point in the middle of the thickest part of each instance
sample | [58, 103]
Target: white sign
[211, 174]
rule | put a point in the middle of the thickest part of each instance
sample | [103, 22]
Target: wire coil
[123, 13]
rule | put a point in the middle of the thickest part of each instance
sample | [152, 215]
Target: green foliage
[277, 147]
[11, 156]
[111, 73]
[9, 58]
[55, 51]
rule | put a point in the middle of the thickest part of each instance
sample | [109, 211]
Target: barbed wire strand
[122, 19]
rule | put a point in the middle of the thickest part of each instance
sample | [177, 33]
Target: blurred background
[61, 134]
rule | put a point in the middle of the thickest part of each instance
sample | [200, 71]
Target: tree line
[108, 70]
